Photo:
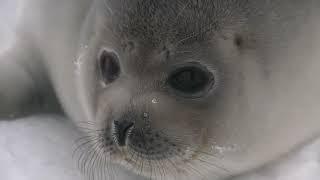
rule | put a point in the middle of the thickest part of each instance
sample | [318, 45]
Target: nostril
[121, 130]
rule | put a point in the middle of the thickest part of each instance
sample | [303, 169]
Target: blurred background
[34, 148]
[8, 11]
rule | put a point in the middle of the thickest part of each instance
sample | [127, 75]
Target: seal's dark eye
[191, 80]
[109, 65]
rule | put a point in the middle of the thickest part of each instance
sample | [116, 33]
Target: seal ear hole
[109, 65]
[191, 80]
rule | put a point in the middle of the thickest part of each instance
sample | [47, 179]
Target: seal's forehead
[156, 20]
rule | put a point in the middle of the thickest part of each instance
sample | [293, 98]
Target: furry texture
[232, 43]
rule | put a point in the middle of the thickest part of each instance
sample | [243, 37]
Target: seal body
[194, 89]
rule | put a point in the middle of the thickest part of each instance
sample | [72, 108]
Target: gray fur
[262, 53]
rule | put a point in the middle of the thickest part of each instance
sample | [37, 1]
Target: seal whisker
[94, 160]
[174, 167]
[179, 142]
[108, 166]
[88, 130]
[88, 162]
[209, 155]
[151, 168]
[214, 165]
[99, 164]
[201, 152]
[105, 166]
[208, 165]
[88, 159]
[191, 167]
[133, 158]
[144, 143]
[88, 137]
[85, 123]
[82, 144]
[83, 158]
[161, 169]
[100, 161]
[96, 164]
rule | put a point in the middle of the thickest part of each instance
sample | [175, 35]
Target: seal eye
[191, 80]
[109, 66]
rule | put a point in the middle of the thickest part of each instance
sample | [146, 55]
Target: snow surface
[37, 149]
[41, 148]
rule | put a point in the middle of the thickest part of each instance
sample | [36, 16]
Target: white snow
[41, 148]
[37, 148]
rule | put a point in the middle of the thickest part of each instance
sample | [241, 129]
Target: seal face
[154, 88]
[185, 88]
[190, 89]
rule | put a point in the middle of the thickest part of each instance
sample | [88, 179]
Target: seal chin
[147, 164]
[168, 164]
[146, 151]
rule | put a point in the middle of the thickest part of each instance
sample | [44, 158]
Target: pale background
[39, 148]
[7, 19]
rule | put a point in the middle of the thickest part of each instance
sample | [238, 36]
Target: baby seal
[195, 89]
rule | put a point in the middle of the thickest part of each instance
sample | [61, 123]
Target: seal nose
[121, 131]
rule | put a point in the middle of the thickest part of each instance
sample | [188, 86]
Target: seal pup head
[176, 89]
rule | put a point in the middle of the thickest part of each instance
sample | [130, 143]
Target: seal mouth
[144, 151]
[149, 146]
